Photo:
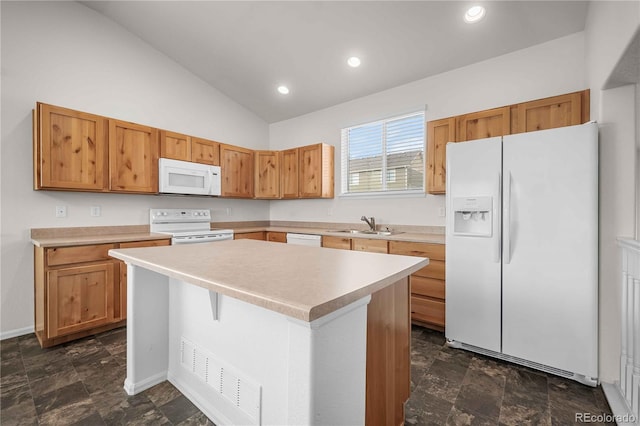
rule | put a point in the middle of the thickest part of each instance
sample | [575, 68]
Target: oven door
[184, 177]
[193, 239]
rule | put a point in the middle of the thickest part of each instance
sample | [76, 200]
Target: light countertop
[298, 281]
[89, 239]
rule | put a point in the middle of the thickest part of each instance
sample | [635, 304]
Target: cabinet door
[374, 246]
[336, 242]
[549, 113]
[133, 157]
[205, 151]
[484, 124]
[70, 149]
[175, 146]
[439, 132]
[315, 171]
[237, 171]
[267, 173]
[79, 298]
[120, 290]
[277, 237]
[289, 173]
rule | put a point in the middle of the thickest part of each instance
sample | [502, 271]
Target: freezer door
[550, 242]
[473, 249]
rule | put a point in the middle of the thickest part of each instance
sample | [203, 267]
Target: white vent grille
[536, 366]
[226, 380]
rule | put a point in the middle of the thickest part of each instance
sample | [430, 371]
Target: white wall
[548, 69]
[609, 29]
[66, 54]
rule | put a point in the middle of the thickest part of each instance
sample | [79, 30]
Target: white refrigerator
[522, 249]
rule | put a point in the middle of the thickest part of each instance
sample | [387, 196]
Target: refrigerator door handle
[496, 220]
[506, 215]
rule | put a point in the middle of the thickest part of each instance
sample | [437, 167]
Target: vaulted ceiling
[247, 49]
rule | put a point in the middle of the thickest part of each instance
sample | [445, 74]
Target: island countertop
[301, 282]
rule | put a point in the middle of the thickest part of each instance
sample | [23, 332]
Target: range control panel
[179, 215]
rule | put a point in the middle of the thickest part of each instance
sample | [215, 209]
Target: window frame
[346, 172]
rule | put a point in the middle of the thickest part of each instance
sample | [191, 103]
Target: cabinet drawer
[374, 246]
[408, 248]
[427, 310]
[78, 254]
[149, 243]
[435, 269]
[336, 242]
[427, 287]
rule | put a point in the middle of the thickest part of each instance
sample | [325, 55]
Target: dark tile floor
[80, 383]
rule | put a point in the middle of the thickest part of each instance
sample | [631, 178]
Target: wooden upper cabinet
[289, 173]
[133, 157]
[205, 151]
[237, 171]
[315, 171]
[267, 174]
[549, 113]
[175, 146]
[483, 124]
[70, 149]
[439, 133]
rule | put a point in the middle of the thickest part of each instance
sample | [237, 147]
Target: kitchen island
[255, 332]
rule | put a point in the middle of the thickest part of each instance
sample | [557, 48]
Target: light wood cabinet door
[205, 151]
[175, 146]
[289, 173]
[79, 298]
[267, 174]
[439, 133]
[120, 288]
[483, 124]
[237, 171]
[277, 237]
[315, 171]
[259, 235]
[70, 149]
[373, 246]
[133, 157]
[336, 242]
[549, 113]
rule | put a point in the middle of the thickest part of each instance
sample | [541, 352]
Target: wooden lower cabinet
[370, 245]
[79, 297]
[428, 290]
[79, 291]
[336, 242]
[277, 237]
[260, 235]
[388, 355]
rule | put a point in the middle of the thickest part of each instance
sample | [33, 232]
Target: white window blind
[384, 156]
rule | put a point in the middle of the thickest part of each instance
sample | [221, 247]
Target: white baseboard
[623, 416]
[15, 333]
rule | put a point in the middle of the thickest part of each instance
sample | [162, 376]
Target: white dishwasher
[304, 240]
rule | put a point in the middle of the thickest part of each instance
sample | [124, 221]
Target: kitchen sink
[367, 232]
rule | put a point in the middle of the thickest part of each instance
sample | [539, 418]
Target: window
[393, 149]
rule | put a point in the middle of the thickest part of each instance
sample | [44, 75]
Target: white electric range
[186, 226]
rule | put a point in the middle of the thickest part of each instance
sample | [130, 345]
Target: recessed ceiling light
[474, 14]
[353, 61]
[283, 90]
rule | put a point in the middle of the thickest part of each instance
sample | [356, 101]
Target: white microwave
[185, 177]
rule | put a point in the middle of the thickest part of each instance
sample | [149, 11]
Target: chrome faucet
[371, 222]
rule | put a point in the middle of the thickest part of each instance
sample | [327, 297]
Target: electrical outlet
[96, 211]
[61, 211]
[442, 212]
